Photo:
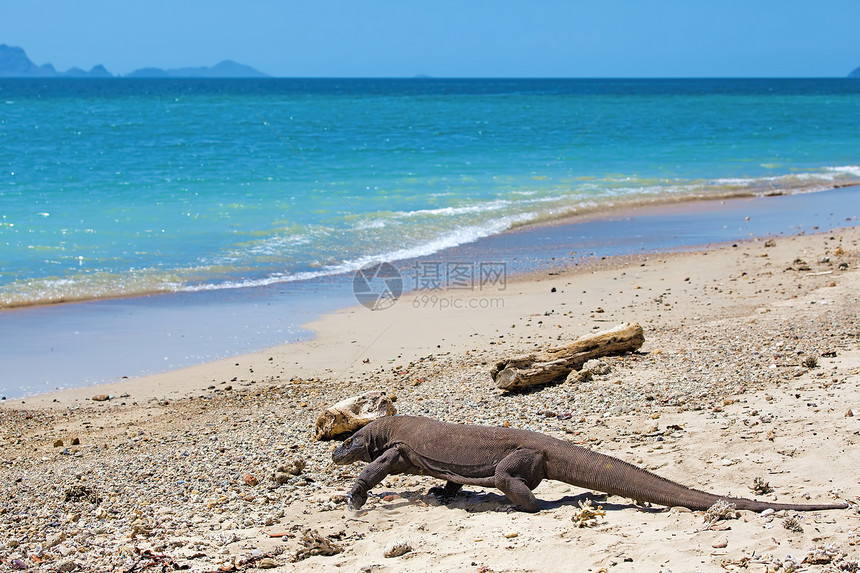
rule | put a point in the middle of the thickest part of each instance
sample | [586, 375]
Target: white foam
[849, 169]
[452, 211]
[275, 245]
[371, 224]
[448, 240]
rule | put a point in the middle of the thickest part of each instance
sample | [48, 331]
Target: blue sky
[445, 38]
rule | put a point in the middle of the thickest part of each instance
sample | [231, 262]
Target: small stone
[250, 479]
[58, 443]
[54, 539]
[580, 376]
[285, 471]
[77, 493]
[100, 398]
[76, 441]
[721, 545]
[67, 566]
[511, 534]
[849, 414]
[397, 549]
[267, 563]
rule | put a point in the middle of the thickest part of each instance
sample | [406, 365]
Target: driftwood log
[352, 414]
[558, 362]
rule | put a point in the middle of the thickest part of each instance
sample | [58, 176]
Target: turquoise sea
[124, 187]
[117, 188]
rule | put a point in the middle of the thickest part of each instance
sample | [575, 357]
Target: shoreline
[723, 392]
[609, 209]
[527, 250]
[330, 330]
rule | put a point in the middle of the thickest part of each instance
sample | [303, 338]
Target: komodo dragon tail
[591, 470]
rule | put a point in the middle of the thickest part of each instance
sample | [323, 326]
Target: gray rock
[54, 539]
[67, 566]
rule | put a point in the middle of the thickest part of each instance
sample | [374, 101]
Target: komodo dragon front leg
[392, 461]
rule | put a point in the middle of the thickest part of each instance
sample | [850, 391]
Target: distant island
[14, 63]
[855, 74]
[225, 69]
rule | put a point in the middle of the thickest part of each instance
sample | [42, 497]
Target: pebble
[511, 534]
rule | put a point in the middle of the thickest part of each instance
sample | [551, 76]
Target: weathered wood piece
[558, 362]
[351, 414]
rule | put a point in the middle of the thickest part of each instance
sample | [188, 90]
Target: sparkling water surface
[119, 187]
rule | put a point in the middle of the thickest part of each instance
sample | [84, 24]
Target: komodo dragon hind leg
[518, 474]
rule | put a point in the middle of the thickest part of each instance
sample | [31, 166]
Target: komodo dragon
[513, 460]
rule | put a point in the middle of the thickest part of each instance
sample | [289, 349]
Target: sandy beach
[749, 370]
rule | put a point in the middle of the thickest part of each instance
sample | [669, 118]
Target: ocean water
[127, 187]
[194, 220]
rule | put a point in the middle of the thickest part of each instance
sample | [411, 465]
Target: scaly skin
[514, 461]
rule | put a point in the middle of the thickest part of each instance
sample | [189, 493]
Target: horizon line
[423, 77]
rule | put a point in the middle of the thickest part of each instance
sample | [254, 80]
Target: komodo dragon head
[358, 447]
